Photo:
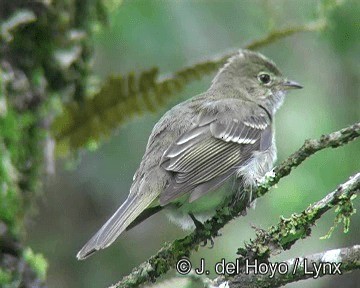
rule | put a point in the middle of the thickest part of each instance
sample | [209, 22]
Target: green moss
[33, 35]
[5, 277]
[37, 262]
[9, 140]
[9, 196]
[19, 142]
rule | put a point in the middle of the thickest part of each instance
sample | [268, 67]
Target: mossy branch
[309, 148]
[298, 226]
[275, 35]
[167, 257]
[45, 53]
[339, 261]
[84, 123]
[331, 262]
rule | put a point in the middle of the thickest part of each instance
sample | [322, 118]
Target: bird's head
[254, 78]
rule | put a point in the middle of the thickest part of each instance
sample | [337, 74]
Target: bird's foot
[197, 223]
[200, 226]
[205, 242]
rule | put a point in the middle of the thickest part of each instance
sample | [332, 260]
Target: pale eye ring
[264, 78]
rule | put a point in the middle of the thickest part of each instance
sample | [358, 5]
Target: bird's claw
[200, 226]
[204, 243]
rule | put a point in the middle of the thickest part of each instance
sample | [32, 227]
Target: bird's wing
[204, 157]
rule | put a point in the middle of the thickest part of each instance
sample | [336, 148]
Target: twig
[270, 38]
[283, 235]
[310, 147]
[287, 232]
[298, 226]
[273, 36]
[167, 257]
[332, 262]
[279, 34]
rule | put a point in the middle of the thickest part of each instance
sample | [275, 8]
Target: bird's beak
[288, 84]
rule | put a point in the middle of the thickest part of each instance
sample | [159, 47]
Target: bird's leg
[197, 223]
[252, 199]
[241, 196]
[200, 226]
[241, 191]
[244, 194]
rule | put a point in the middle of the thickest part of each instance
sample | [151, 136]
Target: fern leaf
[119, 99]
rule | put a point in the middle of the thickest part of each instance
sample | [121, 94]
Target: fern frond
[123, 97]
[119, 99]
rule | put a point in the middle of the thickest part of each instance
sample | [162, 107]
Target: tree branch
[331, 262]
[310, 147]
[288, 231]
[34, 74]
[282, 236]
[167, 257]
[298, 226]
[282, 33]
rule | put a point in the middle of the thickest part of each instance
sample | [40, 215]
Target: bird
[205, 151]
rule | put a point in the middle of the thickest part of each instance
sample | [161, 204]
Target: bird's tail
[108, 233]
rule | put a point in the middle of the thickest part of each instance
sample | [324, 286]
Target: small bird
[205, 151]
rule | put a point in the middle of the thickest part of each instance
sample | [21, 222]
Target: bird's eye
[264, 78]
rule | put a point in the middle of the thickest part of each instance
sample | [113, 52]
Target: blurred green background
[172, 35]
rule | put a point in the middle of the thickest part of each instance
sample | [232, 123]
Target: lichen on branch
[338, 262]
[298, 225]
